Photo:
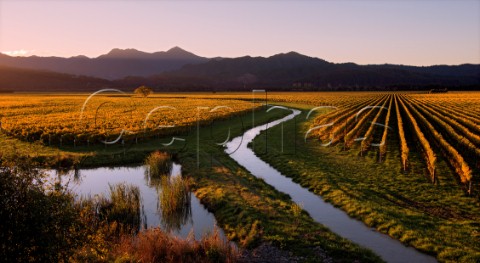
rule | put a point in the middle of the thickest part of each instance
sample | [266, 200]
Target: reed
[174, 220]
[123, 207]
[175, 201]
[158, 164]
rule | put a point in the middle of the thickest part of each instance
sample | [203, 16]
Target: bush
[37, 223]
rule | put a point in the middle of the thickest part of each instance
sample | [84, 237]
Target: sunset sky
[366, 32]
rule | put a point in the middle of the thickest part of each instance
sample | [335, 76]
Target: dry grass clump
[155, 245]
[158, 164]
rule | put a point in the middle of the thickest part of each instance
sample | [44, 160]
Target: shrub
[37, 223]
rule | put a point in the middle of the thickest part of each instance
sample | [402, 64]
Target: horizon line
[21, 53]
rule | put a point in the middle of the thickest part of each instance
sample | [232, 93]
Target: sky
[424, 32]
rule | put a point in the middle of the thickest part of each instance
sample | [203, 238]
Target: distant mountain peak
[291, 54]
[176, 49]
[124, 50]
[124, 53]
[294, 53]
[80, 57]
[299, 58]
[178, 52]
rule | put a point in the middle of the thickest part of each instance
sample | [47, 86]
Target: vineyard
[436, 125]
[406, 164]
[446, 126]
[74, 120]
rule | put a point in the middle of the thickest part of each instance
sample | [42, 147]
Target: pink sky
[401, 32]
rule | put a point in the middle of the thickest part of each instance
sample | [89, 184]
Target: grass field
[420, 186]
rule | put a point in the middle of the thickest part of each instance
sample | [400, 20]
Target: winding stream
[338, 221]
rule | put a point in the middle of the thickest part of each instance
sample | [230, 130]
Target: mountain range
[116, 64]
[180, 70]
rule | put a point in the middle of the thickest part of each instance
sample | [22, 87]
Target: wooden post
[295, 135]
[344, 135]
[266, 140]
[266, 100]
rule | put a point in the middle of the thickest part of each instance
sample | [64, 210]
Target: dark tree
[143, 91]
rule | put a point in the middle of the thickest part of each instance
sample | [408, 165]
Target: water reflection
[96, 182]
[174, 220]
[158, 164]
[174, 202]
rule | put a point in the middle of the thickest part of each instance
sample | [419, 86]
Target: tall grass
[154, 245]
[123, 207]
[175, 206]
[158, 164]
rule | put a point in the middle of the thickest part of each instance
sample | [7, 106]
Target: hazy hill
[118, 63]
[14, 79]
[293, 70]
[179, 70]
[275, 68]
